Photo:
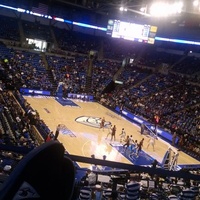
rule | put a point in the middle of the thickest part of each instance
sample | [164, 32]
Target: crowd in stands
[174, 98]
[16, 124]
[72, 71]
[103, 72]
[135, 186]
[133, 75]
[24, 69]
[155, 83]
[16, 134]
[69, 70]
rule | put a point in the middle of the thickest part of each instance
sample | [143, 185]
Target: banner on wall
[48, 93]
[80, 96]
[138, 120]
[33, 92]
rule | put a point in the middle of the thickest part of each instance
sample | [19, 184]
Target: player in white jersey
[151, 142]
[122, 135]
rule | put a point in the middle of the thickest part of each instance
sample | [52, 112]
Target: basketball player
[133, 150]
[122, 135]
[113, 133]
[127, 137]
[132, 144]
[151, 142]
[139, 148]
[141, 142]
[102, 123]
[57, 131]
[128, 142]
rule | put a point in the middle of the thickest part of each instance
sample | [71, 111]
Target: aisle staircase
[54, 83]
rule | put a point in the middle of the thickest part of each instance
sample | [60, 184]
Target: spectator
[142, 128]
[89, 179]
[108, 192]
[85, 193]
[132, 188]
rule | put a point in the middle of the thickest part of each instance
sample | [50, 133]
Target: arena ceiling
[111, 9]
[189, 17]
[134, 5]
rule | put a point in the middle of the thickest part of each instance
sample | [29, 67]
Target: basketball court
[80, 133]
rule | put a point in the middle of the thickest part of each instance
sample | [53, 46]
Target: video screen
[132, 31]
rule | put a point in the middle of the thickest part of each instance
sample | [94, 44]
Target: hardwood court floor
[89, 140]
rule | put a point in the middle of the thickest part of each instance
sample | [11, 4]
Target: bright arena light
[143, 9]
[178, 6]
[195, 3]
[161, 9]
[123, 9]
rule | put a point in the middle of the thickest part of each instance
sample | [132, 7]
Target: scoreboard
[131, 31]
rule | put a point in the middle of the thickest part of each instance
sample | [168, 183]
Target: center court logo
[92, 121]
